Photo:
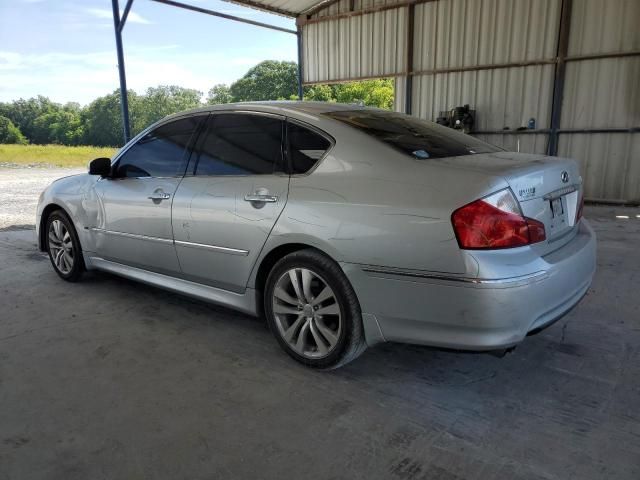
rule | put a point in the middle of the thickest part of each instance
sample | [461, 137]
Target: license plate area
[559, 215]
[557, 207]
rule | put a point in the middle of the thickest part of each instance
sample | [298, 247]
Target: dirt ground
[19, 192]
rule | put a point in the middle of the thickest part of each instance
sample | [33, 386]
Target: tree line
[39, 120]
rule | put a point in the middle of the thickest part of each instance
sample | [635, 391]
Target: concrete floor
[111, 379]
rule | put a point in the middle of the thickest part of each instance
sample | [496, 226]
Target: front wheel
[63, 246]
[313, 311]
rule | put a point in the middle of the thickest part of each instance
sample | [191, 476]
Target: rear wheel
[64, 247]
[313, 311]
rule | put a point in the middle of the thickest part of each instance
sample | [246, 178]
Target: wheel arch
[46, 211]
[273, 256]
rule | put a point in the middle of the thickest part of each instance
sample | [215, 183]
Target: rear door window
[306, 147]
[241, 144]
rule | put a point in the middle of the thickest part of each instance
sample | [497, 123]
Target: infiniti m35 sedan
[344, 226]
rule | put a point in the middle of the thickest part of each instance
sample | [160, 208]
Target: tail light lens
[495, 222]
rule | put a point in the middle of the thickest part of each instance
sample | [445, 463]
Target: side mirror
[100, 166]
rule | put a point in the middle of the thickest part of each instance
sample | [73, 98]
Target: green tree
[218, 94]
[374, 93]
[102, 119]
[23, 114]
[164, 100]
[9, 133]
[268, 80]
[320, 93]
[62, 125]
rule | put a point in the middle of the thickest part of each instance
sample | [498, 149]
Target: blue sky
[65, 49]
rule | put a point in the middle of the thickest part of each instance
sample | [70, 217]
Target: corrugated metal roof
[290, 8]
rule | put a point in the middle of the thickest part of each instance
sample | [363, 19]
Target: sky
[65, 49]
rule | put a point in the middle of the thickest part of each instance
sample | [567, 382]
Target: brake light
[580, 206]
[495, 222]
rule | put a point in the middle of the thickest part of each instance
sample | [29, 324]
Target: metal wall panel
[602, 93]
[526, 142]
[604, 26]
[464, 33]
[452, 34]
[372, 45]
[610, 163]
[503, 98]
[399, 99]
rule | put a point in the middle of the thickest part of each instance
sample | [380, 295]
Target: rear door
[134, 222]
[234, 191]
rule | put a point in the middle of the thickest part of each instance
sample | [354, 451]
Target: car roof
[277, 106]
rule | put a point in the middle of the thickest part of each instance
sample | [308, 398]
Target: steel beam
[408, 94]
[124, 102]
[300, 66]
[125, 14]
[225, 15]
[560, 73]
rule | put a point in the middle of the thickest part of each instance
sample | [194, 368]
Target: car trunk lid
[548, 189]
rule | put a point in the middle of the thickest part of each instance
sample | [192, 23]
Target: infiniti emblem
[564, 176]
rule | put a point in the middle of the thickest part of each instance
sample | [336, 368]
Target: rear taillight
[495, 222]
[580, 206]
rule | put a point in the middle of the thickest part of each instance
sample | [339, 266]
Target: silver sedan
[344, 226]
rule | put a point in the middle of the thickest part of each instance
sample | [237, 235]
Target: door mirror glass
[100, 166]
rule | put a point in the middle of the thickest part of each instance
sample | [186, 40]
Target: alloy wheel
[61, 247]
[307, 313]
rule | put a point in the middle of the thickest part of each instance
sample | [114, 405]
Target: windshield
[415, 137]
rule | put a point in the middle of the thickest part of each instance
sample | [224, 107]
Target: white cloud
[82, 77]
[105, 13]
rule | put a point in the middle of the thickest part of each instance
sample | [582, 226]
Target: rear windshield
[415, 137]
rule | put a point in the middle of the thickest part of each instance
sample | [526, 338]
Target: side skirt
[245, 302]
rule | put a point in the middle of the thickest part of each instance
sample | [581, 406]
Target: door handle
[159, 196]
[261, 198]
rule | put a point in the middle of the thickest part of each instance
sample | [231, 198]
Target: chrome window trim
[229, 250]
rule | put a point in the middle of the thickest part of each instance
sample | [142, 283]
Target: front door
[230, 199]
[134, 220]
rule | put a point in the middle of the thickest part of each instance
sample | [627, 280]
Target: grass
[51, 155]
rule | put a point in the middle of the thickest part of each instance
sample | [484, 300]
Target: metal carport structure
[570, 65]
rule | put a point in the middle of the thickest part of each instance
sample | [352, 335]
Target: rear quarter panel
[366, 203]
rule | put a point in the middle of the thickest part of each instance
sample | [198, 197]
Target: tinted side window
[161, 152]
[415, 137]
[241, 144]
[306, 147]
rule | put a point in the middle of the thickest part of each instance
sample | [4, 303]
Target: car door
[134, 219]
[231, 197]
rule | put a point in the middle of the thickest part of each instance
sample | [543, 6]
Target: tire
[63, 247]
[324, 331]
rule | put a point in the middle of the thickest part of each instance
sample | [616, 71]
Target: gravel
[19, 192]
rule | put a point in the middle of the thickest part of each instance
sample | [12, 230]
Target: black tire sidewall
[78, 261]
[351, 335]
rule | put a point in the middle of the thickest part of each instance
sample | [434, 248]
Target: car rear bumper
[471, 313]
